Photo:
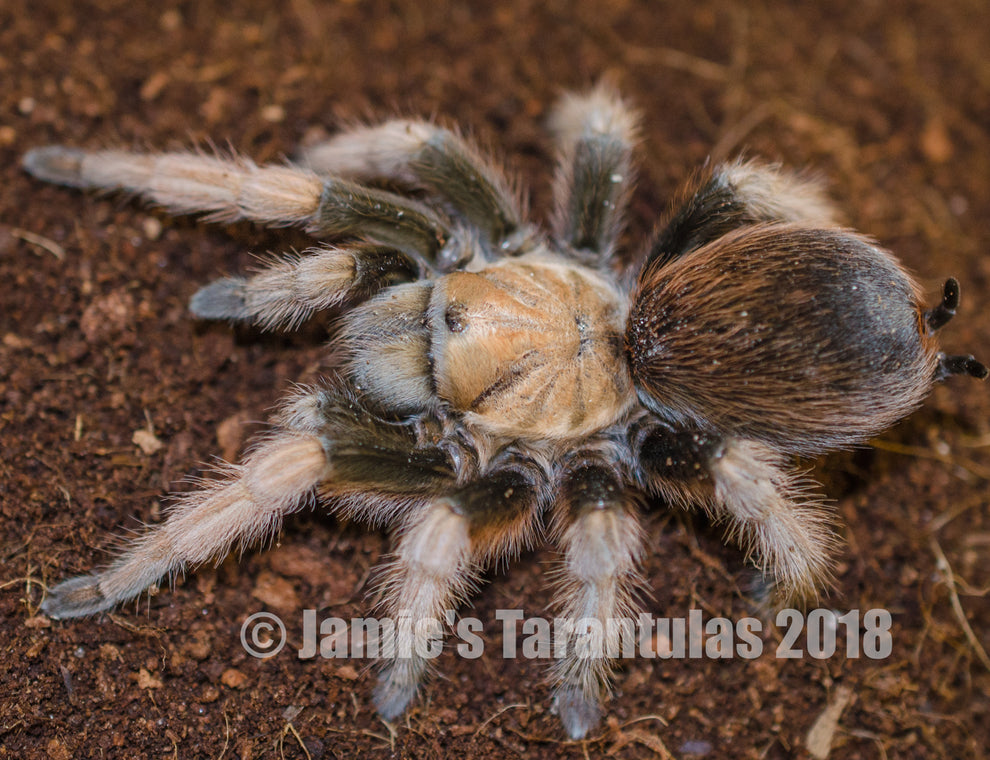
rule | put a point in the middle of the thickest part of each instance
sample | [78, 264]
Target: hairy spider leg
[327, 446]
[438, 558]
[596, 524]
[230, 188]
[246, 507]
[418, 154]
[772, 512]
[289, 290]
[453, 514]
[595, 133]
[717, 200]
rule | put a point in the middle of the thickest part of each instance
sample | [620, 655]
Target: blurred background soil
[888, 101]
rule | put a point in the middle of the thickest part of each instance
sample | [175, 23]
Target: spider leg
[599, 532]
[773, 512]
[229, 188]
[437, 560]
[420, 154]
[290, 290]
[327, 446]
[724, 197]
[279, 478]
[594, 175]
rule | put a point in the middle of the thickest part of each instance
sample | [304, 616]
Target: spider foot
[393, 693]
[578, 712]
[75, 597]
[761, 588]
[221, 299]
[55, 163]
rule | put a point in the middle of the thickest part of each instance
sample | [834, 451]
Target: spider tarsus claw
[221, 299]
[577, 712]
[762, 589]
[55, 163]
[960, 365]
[75, 597]
[391, 698]
[939, 316]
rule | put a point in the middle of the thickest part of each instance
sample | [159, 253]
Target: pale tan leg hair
[275, 480]
[290, 290]
[226, 188]
[595, 132]
[776, 516]
[774, 513]
[436, 562]
[773, 194]
[229, 188]
[327, 446]
[599, 533]
[419, 154]
[432, 573]
[719, 199]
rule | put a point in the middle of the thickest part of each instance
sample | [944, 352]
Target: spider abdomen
[807, 339]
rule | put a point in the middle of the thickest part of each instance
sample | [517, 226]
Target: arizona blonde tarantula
[498, 380]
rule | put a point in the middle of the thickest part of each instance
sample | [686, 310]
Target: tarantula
[498, 380]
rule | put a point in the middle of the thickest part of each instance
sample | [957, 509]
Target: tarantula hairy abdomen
[496, 380]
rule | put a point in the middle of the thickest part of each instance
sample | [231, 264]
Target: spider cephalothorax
[497, 380]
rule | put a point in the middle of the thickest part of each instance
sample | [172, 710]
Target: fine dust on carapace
[888, 102]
